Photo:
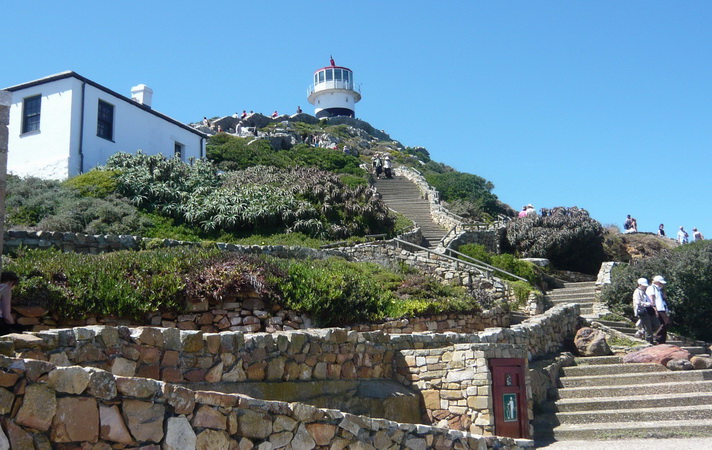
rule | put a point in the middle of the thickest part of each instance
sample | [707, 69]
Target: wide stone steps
[615, 369]
[403, 196]
[629, 430]
[589, 392]
[620, 379]
[629, 415]
[656, 400]
[582, 293]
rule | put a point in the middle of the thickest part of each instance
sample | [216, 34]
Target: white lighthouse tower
[333, 92]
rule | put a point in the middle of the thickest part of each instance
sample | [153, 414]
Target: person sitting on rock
[8, 280]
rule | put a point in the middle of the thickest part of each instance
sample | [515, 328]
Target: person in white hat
[656, 294]
[644, 309]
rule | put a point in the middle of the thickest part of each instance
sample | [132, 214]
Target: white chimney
[142, 94]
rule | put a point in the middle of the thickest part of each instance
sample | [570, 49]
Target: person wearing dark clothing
[8, 280]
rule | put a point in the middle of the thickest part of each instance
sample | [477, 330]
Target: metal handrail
[486, 270]
[493, 268]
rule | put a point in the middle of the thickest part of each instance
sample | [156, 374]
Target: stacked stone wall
[449, 370]
[46, 406]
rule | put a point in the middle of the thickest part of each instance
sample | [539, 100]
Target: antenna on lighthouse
[333, 92]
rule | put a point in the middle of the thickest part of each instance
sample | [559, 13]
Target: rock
[38, 407]
[4, 442]
[701, 362]
[77, 420]
[590, 342]
[679, 364]
[113, 427]
[69, 380]
[208, 417]
[123, 367]
[181, 399]
[179, 435]
[145, 420]
[661, 354]
[19, 438]
[138, 387]
[322, 433]
[102, 385]
[6, 399]
[254, 424]
[30, 311]
[302, 439]
[212, 440]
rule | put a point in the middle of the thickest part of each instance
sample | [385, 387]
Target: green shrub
[505, 261]
[568, 237]
[95, 183]
[688, 271]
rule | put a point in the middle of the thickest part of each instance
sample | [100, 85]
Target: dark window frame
[31, 113]
[105, 120]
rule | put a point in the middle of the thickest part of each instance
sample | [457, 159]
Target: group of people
[651, 308]
[631, 226]
[527, 210]
[382, 164]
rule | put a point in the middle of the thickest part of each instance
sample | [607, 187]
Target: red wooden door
[509, 393]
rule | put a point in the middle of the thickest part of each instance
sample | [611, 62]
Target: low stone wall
[43, 406]
[449, 271]
[490, 239]
[442, 323]
[453, 364]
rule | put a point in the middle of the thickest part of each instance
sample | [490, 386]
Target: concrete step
[622, 379]
[596, 360]
[615, 323]
[580, 284]
[697, 412]
[608, 369]
[630, 390]
[653, 400]
[564, 292]
[629, 430]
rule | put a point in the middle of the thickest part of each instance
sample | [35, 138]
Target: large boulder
[661, 354]
[590, 342]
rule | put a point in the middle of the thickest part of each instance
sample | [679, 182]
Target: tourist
[387, 167]
[696, 235]
[628, 224]
[656, 295]
[275, 115]
[206, 122]
[644, 309]
[523, 212]
[8, 280]
[682, 236]
[220, 130]
[633, 226]
[299, 109]
[378, 165]
[661, 230]
[530, 210]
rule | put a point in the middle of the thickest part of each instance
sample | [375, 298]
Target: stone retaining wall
[427, 362]
[43, 406]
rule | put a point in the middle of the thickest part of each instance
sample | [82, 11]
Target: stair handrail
[477, 261]
[484, 268]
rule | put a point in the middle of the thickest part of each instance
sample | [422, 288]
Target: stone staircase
[601, 398]
[583, 293]
[403, 196]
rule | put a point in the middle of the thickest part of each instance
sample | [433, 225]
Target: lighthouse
[333, 92]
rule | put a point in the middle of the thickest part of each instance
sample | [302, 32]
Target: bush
[505, 261]
[567, 237]
[688, 271]
[95, 183]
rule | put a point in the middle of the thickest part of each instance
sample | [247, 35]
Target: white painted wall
[53, 151]
[44, 152]
[333, 98]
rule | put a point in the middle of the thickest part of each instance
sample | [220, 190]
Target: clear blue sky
[605, 105]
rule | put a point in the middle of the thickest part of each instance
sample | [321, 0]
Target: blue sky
[605, 105]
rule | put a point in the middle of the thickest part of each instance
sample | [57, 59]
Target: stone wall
[448, 366]
[43, 406]
[490, 238]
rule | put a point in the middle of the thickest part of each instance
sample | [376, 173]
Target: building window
[105, 121]
[178, 150]
[31, 114]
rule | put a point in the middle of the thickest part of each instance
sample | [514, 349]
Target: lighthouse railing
[349, 85]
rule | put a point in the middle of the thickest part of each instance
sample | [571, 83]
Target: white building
[65, 124]
[333, 92]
